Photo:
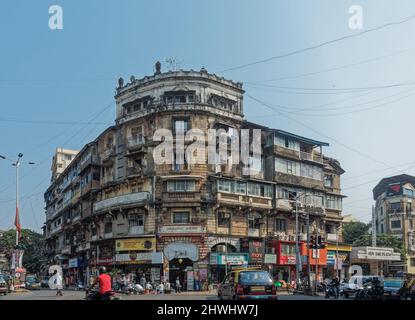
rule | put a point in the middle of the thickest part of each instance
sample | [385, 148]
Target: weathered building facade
[394, 215]
[116, 206]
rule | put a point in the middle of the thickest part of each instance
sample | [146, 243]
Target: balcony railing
[107, 153]
[136, 198]
[133, 171]
[301, 155]
[135, 142]
[136, 230]
[91, 159]
[311, 157]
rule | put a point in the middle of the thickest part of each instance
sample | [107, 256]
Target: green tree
[33, 245]
[353, 231]
[382, 240]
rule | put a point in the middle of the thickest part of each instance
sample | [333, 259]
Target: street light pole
[17, 164]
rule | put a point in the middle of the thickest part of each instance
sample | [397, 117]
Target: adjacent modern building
[394, 215]
[114, 205]
[61, 160]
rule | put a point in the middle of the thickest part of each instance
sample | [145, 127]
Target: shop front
[182, 260]
[220, 263]
[285, 266]
[137, 257]
[137, 264]
[182, 246]
[374, 260]
[338, 261]
[318, 261]
[74, 271]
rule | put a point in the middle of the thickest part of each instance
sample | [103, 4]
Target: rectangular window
[181, 125]
[181, 217]
[280, 225]
[259, 190]
[328, 181]
[287, 166]
[137, 133]
[224, 219]
[181, 186]
[108, 227]
[253, 223]
[232, 186]
[333, 202]
[395, 224]
[395, 207]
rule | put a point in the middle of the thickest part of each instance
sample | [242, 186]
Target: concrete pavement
[80, 295]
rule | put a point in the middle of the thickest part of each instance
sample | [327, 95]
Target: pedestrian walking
[58, 281]
[178, 287]
[143, 281]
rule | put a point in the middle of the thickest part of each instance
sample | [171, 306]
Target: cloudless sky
[70, 75]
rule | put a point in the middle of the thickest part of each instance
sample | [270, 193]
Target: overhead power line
[295, 52]
[284, 114]
[334, 68]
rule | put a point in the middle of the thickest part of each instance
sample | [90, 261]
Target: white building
[61, 160]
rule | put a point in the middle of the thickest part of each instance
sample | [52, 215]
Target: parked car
[32, 282]
[391, 287]
[44, 283]
[3, 285]
[244, 284]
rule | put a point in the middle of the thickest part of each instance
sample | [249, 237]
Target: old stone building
[115, 205]
[394, 216]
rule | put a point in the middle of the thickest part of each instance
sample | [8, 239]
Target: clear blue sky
[103, 40]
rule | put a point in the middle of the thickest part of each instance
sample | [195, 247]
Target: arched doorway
[181, 256]
[178, 269]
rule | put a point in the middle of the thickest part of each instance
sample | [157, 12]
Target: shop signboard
[73, 263]
[167, 229]
[83, 246]
[287, 260]
[375, 253]
[139, 258]
[235, 259]
[136, 244]
[270, 258]
[255, 248]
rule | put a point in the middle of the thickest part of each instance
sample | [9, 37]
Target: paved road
[79, 295]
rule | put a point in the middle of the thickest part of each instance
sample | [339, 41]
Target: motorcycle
[331, 291]
[93, 295]
[135, 288]
[370, 291]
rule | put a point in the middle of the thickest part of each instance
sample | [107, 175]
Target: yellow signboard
[135, 244]
[340, 247]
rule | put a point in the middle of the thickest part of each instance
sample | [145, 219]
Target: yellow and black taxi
[3, 285]
[247, 284]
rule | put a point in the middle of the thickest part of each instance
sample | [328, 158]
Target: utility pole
[373, 227]
[308, 251]
[297, 248]
[316, 261]
[17, 254]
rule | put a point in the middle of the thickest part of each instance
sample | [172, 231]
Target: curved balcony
[130, 199]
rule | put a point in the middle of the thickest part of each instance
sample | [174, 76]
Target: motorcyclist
[335, 283]
[104, 282]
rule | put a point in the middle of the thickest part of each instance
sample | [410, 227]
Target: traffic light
[313, 242]
[320, 243]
